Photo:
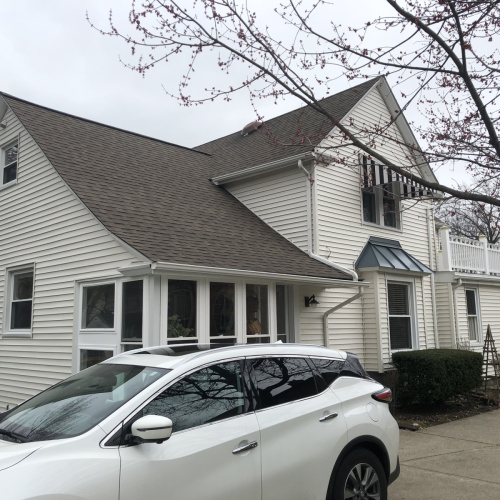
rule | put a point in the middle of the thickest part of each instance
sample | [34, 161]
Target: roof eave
[262, 169]
[160, 268]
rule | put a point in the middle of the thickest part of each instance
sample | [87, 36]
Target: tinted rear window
[329, 369]
[282, 380]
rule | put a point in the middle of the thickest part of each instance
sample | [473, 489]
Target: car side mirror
[152, 429]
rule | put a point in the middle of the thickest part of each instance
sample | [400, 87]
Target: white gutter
[260, 169]
[326, 332]
[309, 187]
[457, 328]
[188, 269]
[433, 265]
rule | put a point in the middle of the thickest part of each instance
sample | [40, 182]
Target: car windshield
[76, 404]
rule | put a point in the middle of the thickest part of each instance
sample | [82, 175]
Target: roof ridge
[9, 96]
[295, 110]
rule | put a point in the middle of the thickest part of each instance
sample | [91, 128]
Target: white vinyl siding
[280, 200]
[44, 223]
[342, 234]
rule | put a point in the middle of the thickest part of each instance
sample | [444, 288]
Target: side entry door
[214, 450]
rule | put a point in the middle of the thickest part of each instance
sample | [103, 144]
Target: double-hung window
[400, 301]
[8, 163]
[472, 300]
[381, 202]
[21, 300]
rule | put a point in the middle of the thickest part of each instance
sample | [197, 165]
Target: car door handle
[245, 447]
[330, 416]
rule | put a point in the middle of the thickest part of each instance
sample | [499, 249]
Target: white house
[110, 240]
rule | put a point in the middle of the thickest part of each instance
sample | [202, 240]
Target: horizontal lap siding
[445, 315]
[280, 200]
[463, 324]
[489, 299]
[43, 223]
[342, 233]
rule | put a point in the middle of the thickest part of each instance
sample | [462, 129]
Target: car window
[329, 369]
[282, 380]
[353, 368]
[76, 404]
[202, 397]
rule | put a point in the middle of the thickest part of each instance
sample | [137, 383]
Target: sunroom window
[98, 306]
[181, 322]
[132, 314]
[222, 313]
[257, 312]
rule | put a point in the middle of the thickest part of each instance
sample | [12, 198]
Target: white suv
[185, 422]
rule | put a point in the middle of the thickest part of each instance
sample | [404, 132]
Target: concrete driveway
[459, 460]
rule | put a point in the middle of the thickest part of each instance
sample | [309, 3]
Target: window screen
[282, 380]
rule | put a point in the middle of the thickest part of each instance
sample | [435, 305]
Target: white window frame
[203, 306]
[116, 302]
[412, 305]
[95, 347]
[379, 209]
[106, 339]
[479, 339]
[3, 165]
[9, 297]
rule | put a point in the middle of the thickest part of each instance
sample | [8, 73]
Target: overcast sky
[51, 56]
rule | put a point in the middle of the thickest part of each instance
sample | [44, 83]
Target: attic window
[251, 127]
[8, 163]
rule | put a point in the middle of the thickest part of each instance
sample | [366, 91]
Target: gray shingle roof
[290, 134]
[157, 197]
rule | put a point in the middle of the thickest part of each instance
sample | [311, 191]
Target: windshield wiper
[13, 435]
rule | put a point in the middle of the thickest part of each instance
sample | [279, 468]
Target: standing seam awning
[381, 252]
[380, 175]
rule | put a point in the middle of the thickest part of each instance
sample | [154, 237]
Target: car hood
[13, 453]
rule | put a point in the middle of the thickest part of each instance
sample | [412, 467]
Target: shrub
[435, 375]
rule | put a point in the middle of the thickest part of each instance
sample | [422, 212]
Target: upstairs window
[381, 203]
[8, 163]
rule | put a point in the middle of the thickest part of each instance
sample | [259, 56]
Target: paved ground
[455, 461]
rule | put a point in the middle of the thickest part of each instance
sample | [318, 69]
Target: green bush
[435, 375]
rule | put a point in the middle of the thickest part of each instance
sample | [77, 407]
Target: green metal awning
[388, 254]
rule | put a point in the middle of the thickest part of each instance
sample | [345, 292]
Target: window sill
[98, 330]
[22, 334]
[8, 185]
[387, 228]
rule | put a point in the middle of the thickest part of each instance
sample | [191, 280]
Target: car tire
[360, 477]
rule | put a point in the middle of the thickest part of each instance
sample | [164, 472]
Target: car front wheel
[360, 477]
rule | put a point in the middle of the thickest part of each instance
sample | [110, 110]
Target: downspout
[326, 331]
[457, 329]
[433, 263]
[309, 187]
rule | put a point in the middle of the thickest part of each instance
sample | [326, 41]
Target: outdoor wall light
[311, 301]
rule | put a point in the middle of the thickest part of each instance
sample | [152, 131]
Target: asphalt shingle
[158, 198]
